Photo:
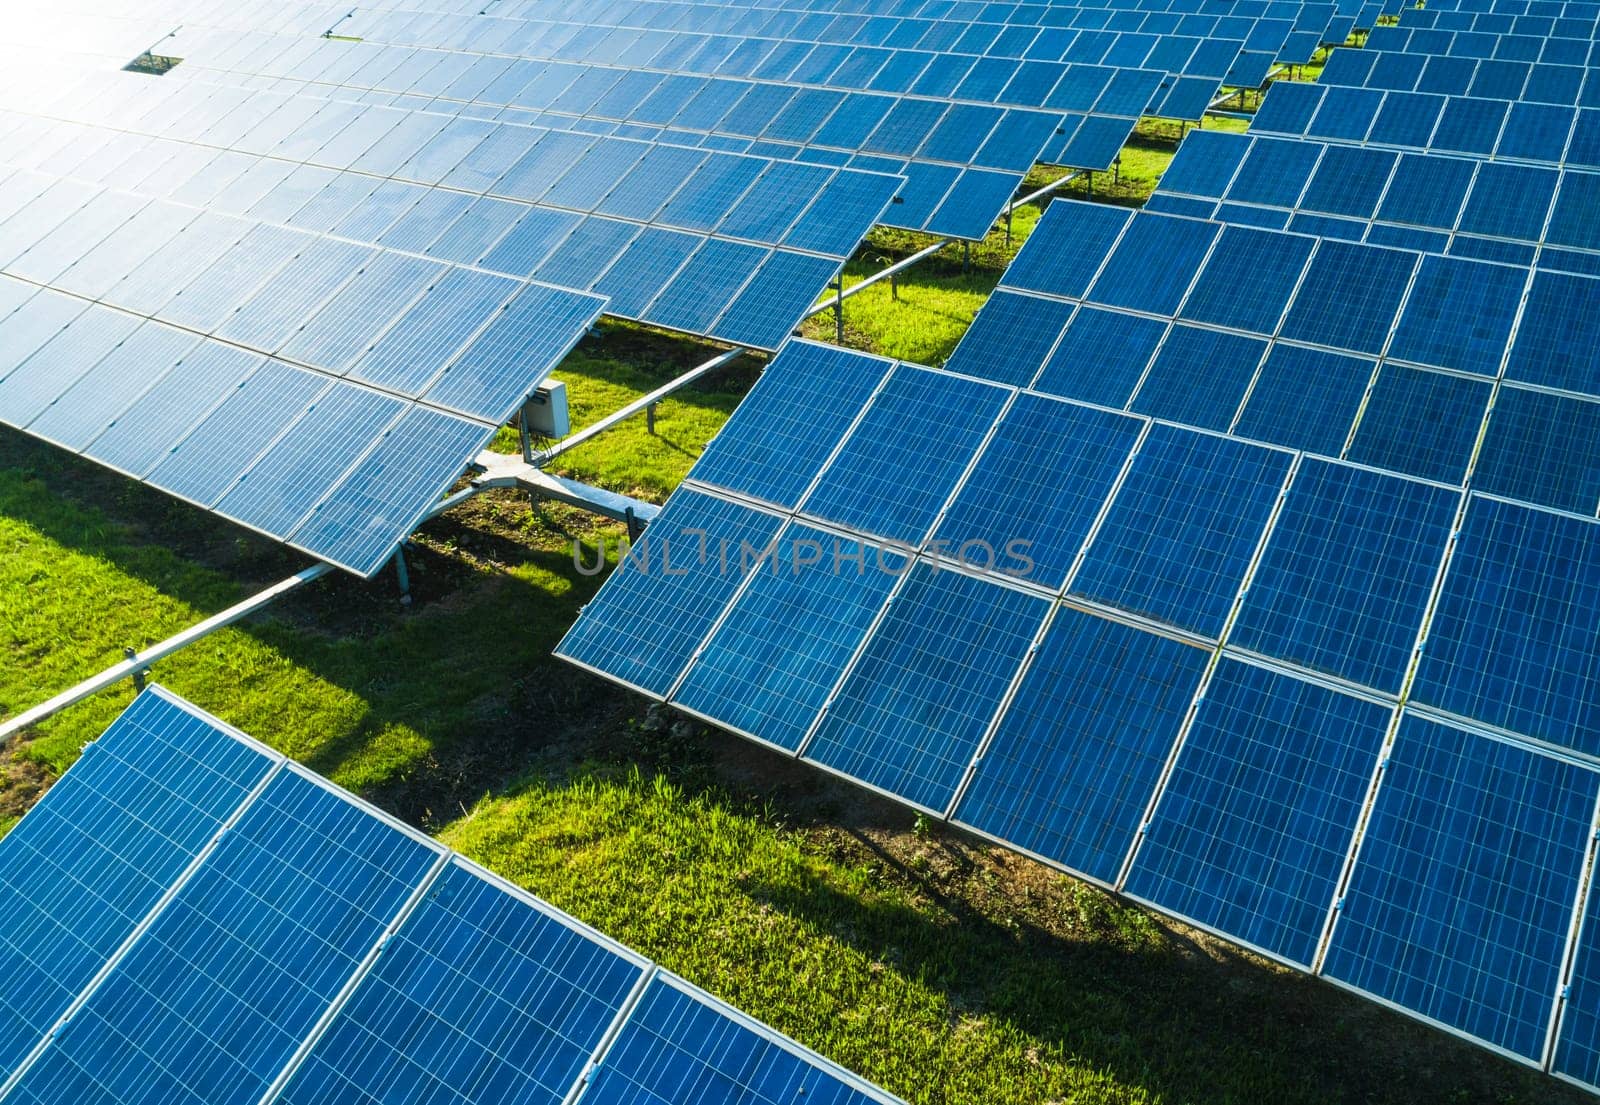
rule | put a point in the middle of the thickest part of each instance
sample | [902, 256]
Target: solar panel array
[191, 918]
[1242, 558]
[318, 390]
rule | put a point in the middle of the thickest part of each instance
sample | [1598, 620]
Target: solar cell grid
[1074, 760]
[1531, 673]
[709, 543]
[1250, 834]
[1180, 556]
[1346, 574]
[1462, 893]
[906, 455]
[910, 713]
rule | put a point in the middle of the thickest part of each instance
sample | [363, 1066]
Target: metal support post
[838, 310]
[139, 674]
[402, 575]
[966, 257]
[650, 419]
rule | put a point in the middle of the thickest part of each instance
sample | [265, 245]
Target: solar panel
[1252, 829]
[1541, 448]
[1529, 674]
[1075, 760]
[899, 464]
[910, 714]
[1421, 423]
[1346, 573]
[1461, 898]
[234, 928]
[1183, 528]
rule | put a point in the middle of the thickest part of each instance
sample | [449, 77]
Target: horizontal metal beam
[639, 404]
[906, 262]
[126, 668]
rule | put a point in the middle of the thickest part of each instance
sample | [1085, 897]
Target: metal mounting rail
[138, 662]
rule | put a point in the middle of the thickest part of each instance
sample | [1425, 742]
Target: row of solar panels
[1499, 211]
[779, 595]
[488, 195]
[1533, 82]
[1544, 133]
[892, 48]
[191, 918]
[958, 198]
[316, 390]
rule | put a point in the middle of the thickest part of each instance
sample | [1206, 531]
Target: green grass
[947, 971]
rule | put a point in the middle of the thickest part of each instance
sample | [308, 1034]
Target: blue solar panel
[343, 328]
[407, 357]
[26, 389]
[281, 488]
[1577, 1052]
[768, 669]
[677, 579]
[142, 802]
[1509, 201]
[1346, 575]
[1305, 399]
[1252, 829]
[396, 483]
[1542, 448]
[1514, 634]
[1182, 530]
[905, 455]
[681, 1046]
[775, 442]
[1101, 356]
[1268, 264]
[1076, 758]
[909, 716]
[1349, 180]
[1459, 315]
[1154, 263]
[1274, 172]
[1463, 889]
[236, 969]
[205, 463]
[771, 305]
[1349, 296]
[1421, 423]
[1010, 338]
[479, 997]
[1558, 341]
[1037, 489]
[86, 407]
[502, 364]
[1574, 221]
[1199, 377]
[1066, 248]
[141, 436]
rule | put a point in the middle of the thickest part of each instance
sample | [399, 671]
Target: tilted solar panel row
[1567, 42]
[1194, 67]
[1499, 211]
[1531, 82]
[227, 928]
[962, 161]
[834, 588]
[318, 391]
[418, 183]
[1547, 134]
[961, 200]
